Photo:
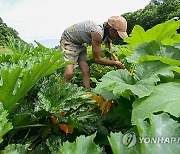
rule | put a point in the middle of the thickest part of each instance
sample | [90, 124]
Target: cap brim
[123, 35]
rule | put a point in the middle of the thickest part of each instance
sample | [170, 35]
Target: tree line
[156, 12]
[6, 33]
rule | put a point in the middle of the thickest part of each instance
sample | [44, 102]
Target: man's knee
[68, 74]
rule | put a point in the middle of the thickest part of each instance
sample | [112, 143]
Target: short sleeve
[97, 28]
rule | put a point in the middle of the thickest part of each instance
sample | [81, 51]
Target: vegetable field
[124, 111]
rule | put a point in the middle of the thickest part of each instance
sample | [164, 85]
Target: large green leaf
[155, 51]
[83, 145]
[160, 135]
[141, 83]
[17, 79]
[158, 33]
[5, 126]
[166, 97]
[137, 36]
[162, 128]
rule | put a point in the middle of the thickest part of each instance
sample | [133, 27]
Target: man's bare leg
[85, 74]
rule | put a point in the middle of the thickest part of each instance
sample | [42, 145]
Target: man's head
[118, 26]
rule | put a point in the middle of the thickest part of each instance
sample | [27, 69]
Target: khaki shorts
[72, 52]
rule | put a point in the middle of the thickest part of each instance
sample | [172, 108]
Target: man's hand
[119, 65]
[113, 57]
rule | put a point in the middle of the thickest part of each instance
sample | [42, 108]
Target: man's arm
[96, 49]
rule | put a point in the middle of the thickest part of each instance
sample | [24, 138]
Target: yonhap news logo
[129, 140]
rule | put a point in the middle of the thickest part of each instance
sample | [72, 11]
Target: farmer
[73, 40]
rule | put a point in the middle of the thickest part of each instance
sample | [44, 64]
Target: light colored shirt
[80, 33]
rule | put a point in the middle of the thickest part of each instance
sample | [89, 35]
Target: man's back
[81, 32]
